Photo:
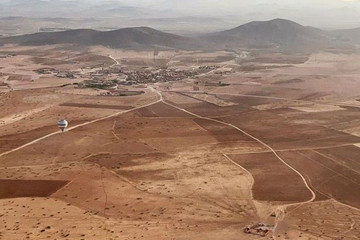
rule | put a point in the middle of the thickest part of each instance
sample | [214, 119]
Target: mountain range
[127, 38]
[277, 33]
[274, 34]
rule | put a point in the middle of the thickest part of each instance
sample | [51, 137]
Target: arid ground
[241, 139]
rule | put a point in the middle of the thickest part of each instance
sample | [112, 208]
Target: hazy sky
[319, 13]
[230, 4]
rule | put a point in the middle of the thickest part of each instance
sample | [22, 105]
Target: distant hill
[277, 33]
[132, 38]
[351, 36]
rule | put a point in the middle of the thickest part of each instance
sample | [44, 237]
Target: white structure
[62, 124]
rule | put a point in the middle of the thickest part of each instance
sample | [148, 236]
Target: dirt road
[75, 127]
[281, 210]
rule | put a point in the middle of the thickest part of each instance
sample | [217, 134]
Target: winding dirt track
[247, 134]
[280, 210]
[114, 59]
[250, 176]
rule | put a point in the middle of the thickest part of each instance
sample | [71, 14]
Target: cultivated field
[270, 139]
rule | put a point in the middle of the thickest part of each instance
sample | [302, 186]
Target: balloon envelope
[62, 124]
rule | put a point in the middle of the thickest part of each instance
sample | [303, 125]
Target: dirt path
[251, 181]
[250, 176]
[116, 61]
[75, 127]
[296, 149]
[161, 99]
[329, 103]
[245, 133]
[280, 210]
[238, 95]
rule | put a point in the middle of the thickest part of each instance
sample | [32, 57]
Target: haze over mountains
[129, 38]
[28, 16]
[274, 34]
[72, 9]
[351, 36]
[175, 16]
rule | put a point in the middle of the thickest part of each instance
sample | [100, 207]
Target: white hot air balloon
[62, 124]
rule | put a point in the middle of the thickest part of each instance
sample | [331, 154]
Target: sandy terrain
[187, 159]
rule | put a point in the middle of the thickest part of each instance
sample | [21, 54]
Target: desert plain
[199, 145]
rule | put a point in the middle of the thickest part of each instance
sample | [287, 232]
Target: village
[114, 78]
